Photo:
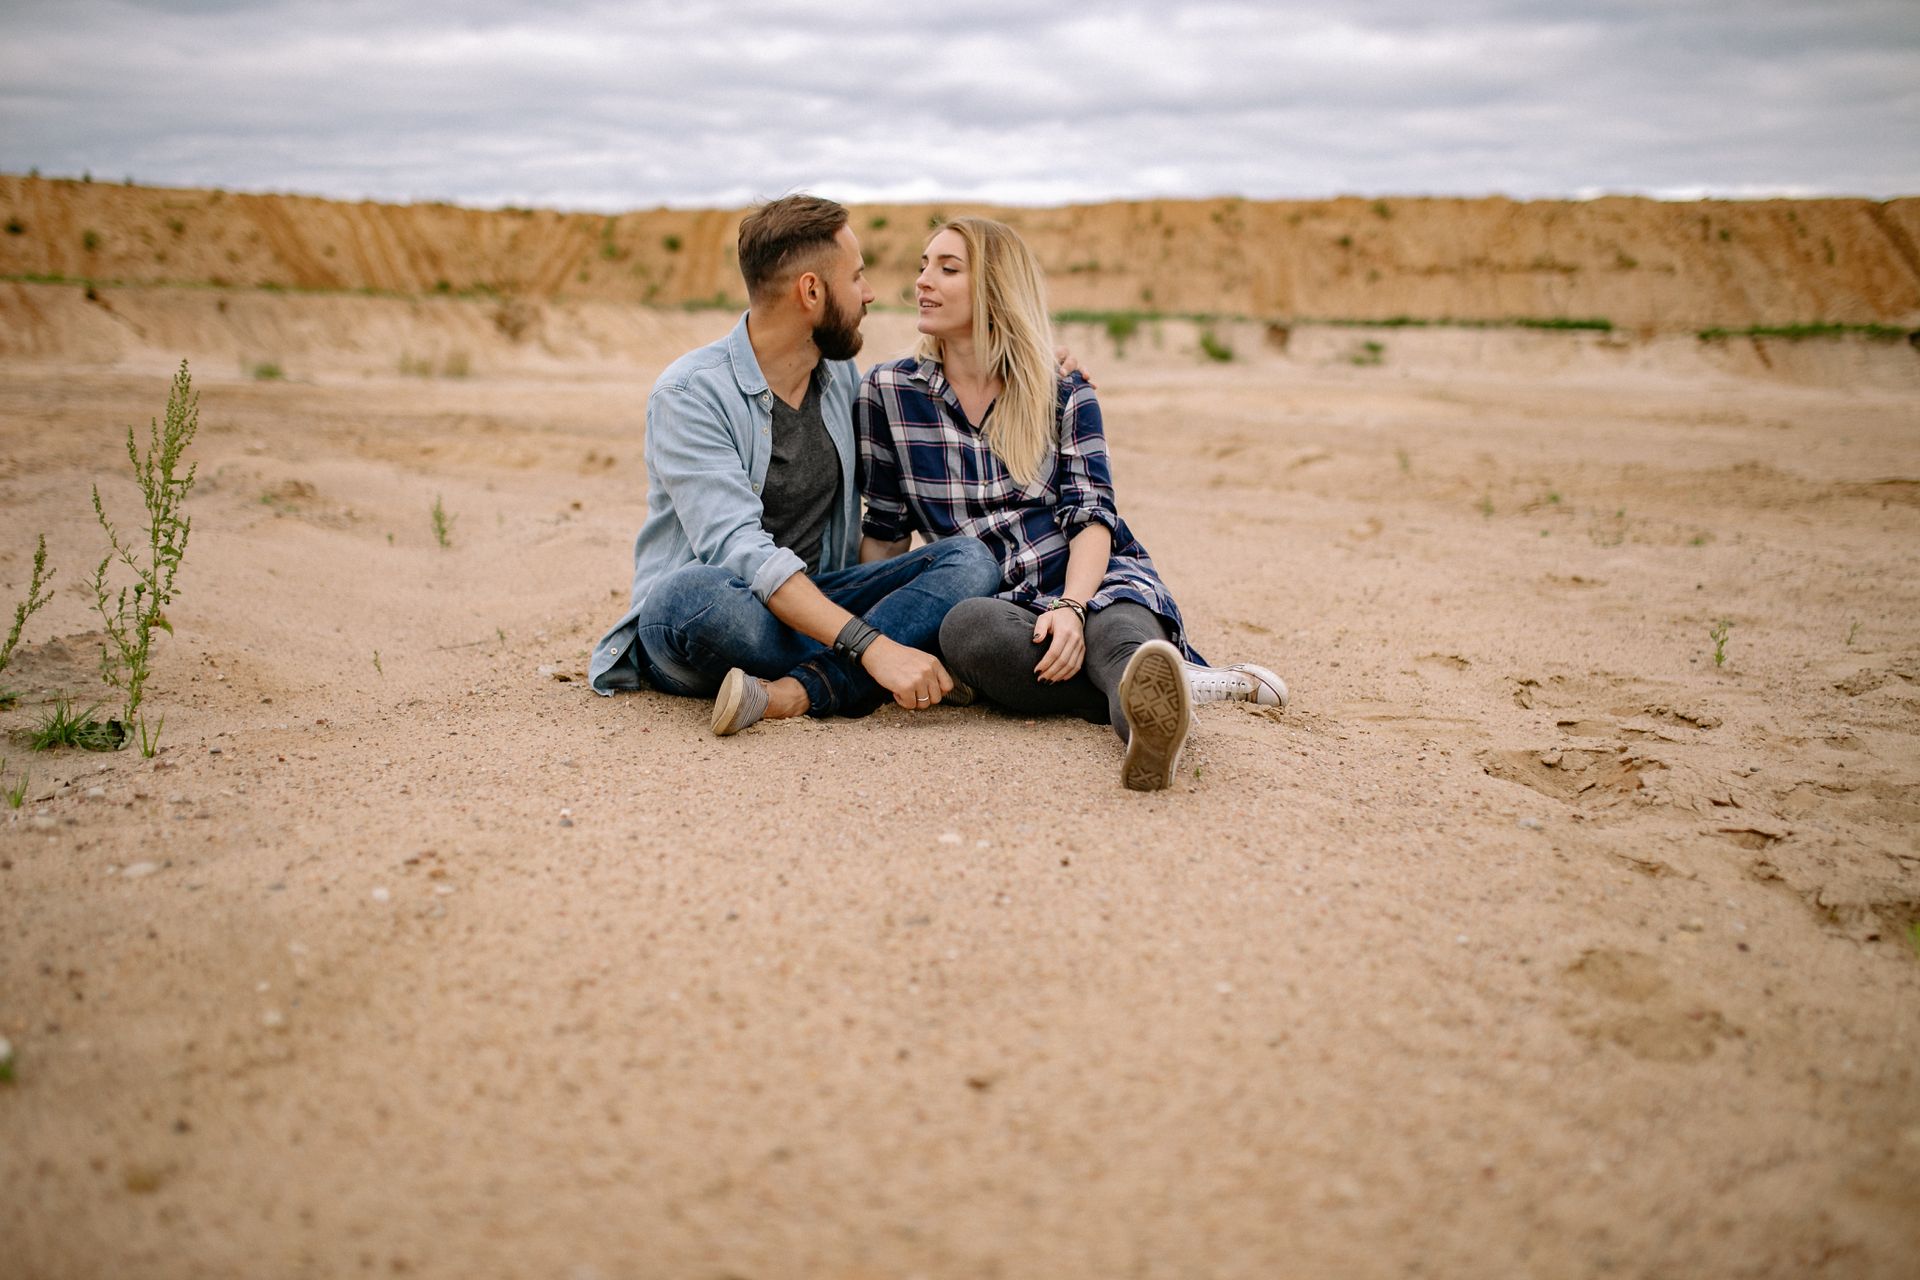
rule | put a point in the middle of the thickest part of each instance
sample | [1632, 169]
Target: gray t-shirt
[803, 477]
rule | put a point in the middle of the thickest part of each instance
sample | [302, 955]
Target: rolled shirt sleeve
[1084, 478]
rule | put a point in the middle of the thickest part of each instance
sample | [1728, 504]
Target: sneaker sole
[730, 702]
[1159, 710]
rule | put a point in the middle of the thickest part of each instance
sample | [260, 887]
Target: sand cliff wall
[1644, 265]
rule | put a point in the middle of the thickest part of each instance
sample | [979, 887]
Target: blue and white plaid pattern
[925, 468]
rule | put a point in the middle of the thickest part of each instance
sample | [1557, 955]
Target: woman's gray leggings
[988, 643]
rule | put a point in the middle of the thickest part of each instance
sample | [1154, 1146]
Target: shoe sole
[1159, 710]
[730, 702]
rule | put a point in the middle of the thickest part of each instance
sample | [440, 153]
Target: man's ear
[809, 289]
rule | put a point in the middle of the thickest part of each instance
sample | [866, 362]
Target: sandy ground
[1528, 942]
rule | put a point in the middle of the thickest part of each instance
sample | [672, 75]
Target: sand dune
[1529, 941]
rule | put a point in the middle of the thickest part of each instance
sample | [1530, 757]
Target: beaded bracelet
[1064, 602]
[855, 638]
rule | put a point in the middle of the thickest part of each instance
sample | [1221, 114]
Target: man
[746, 583]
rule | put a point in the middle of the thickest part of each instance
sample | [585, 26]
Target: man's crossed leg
[701, 623]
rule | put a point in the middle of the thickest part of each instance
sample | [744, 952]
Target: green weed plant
[1213, 348]
[37, 596]
[64, 727]
[1811, 329]
[131, 616]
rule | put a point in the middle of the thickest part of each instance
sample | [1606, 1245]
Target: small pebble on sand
[949, 837]
[140, 869]
[1531, 824]
[381, 895]
[273, 1019]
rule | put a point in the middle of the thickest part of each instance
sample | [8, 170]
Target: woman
[976, 433]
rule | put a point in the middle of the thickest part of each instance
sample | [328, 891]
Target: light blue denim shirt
[709, 438]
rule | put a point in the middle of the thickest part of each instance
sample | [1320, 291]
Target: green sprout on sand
[17, 793]
[1718, 634]
[442, 524]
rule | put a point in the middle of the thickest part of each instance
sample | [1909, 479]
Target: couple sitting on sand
[756, 581]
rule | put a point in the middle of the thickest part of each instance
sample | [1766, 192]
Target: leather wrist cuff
[855, 638]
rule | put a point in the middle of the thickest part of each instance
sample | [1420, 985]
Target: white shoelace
[1209, 684]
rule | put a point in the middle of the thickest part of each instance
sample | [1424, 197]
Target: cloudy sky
[635, 103]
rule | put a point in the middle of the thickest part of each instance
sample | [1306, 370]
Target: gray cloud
[596, 105]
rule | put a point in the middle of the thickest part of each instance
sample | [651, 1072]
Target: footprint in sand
[1574, 775]
[1622, 998]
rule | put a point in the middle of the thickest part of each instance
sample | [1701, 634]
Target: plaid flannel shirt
[925, 468]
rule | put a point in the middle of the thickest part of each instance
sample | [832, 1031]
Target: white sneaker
[1241, 682]
[1158, 704]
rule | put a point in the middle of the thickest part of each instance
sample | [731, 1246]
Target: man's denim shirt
[709, 438]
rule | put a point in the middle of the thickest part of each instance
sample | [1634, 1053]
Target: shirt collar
[746, 369]
[928, 370]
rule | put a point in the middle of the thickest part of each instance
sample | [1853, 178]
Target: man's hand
[1068, 648]
[914, 678]
[1065, 365]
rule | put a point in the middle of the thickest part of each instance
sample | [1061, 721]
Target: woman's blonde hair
[1014, 339]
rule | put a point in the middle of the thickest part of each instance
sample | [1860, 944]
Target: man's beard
[838, 336]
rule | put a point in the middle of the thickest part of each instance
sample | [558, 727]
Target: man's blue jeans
[701, 621]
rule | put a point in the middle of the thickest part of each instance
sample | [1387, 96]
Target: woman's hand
[1065, 637]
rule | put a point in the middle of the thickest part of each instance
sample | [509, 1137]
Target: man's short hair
[784, 236]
